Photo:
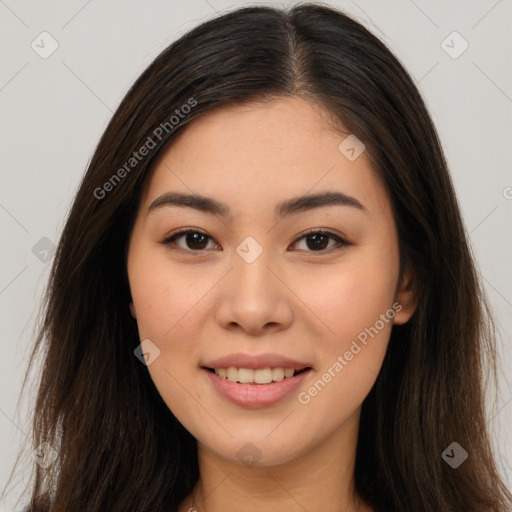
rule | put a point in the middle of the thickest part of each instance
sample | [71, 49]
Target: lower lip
[256, 395]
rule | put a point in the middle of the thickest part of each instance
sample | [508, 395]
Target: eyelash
[170, 240]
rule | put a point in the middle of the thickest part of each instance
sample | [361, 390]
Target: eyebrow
[283, 209]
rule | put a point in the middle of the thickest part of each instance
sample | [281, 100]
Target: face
[312, 284]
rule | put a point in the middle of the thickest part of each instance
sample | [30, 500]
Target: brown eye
[194, 240]
[318, 241]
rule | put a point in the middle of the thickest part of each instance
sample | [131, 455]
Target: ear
[406, 297]
[132, 310]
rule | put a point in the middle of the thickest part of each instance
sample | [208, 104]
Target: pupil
[196, 239]
[316, 244]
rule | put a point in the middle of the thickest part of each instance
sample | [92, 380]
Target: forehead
[264, 152]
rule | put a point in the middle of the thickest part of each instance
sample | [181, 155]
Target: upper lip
[256, 361]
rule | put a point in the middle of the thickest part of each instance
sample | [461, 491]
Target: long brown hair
[119, 446]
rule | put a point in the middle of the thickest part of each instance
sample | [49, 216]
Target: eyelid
[342, 242]
[169, 240]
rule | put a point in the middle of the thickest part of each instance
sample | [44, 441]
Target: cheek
[351, 298]
[355, 307]
[172, 305]
[165, 297]
[167, 308]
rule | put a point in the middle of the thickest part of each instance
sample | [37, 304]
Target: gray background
[55, 109]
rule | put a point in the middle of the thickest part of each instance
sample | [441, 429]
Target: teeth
[262, 376]
[245, 375]
[250, 376]
[277, 374]
[232, 374]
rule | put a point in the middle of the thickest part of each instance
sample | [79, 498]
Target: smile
[256, 376]
[244, 386]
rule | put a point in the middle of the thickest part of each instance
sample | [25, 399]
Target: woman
[262, 288]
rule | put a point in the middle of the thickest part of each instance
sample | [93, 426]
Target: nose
[254, 296]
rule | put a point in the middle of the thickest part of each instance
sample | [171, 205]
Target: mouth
[257, 377]
[259, 389]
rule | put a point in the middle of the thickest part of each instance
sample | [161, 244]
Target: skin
[293, 299]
